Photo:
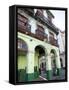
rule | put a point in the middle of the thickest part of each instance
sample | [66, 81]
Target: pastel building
[38, 52]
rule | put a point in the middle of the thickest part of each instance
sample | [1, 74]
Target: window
[19, 45]
[22, 45]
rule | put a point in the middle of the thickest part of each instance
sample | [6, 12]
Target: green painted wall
[22, 61]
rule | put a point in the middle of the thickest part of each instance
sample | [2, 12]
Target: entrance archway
[22, 60]
[53, 62]
[40, 62]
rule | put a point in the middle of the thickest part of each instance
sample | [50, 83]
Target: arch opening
[53, 62]
[40, 61]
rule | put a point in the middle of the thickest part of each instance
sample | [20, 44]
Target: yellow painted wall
[36, 61]
[22, 61]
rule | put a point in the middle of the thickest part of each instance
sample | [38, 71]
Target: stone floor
[61, 77]
[55, 77]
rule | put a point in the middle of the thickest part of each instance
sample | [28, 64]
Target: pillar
[58, 64]
[30, 66]
[48, 67]
[63, 60]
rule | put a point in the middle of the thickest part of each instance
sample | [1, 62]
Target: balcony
[53, 41]
[39, 16]
[24, 28]
[29, 11]
[40, 35]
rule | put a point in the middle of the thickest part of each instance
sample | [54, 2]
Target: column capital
[48, 54]
[56, 56]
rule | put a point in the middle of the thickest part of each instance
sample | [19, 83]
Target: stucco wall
[36, 59]
[31, 50]
[22, 61]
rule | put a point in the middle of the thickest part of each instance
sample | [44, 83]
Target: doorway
[40, 61]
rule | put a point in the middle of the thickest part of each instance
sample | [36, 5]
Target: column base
[29, 76]
[49, 74]
[36, 74]
[58, 71]
[21, 75]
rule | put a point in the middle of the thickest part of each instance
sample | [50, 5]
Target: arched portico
[36, 51]
[55, 62]
[39, 61]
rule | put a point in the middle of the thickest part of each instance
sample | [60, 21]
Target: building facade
[61, 42]
[38, 52]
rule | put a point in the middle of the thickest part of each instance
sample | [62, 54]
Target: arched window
[22, 45]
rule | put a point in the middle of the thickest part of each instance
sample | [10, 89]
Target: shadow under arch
[53, 53]
[44, 49]
[40, 61]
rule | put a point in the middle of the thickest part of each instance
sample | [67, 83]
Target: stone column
[63, 60]
[58, 64]
[30, 66]
[48, 67]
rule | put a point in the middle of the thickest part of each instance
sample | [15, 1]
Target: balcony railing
[24, 28]
[45, 20]
[29, 11]
[53, 41]
[39, 15]
[40, 35]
